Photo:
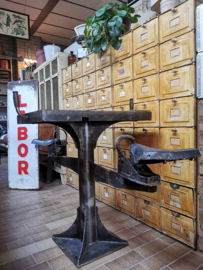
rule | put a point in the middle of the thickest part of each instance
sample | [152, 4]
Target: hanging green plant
[107, 25]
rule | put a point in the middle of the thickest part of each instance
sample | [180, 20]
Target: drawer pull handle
[144, 104]
[175, 71]
[121, 107]
[122, 129]
[76, 64]
[174, 40]
[145, 129]
[87, 58]
[103, 90]
[144, 26]
[174, 10]
[76, 81]
[121, 85]
[146, 202]
[104, 150]
[174, 130]
[102, 71]
[175, 215]
[88, 76]
[144, 79]
[143, 52]
[121, 63]
[174, 101]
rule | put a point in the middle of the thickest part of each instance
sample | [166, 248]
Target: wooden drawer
[180, 172]
[78, 102]
[125, 202]
[177, 198]
[177, 112]
[177, 52]
[146, 62]
[122, 109]
[89, 64]
[146, 89]
[72, 179]
[77, 69]
[90, 101]
[97, 191]
[104, 97]
[125, 49]
[126, 153]
[123, 131]
[68, 103]
[96, 155]
[77, 86]
[177, 21]
[106, 157]
[152, 197]
[122, 93]
[178, 226]
[177, 82]
[103, 77]
[106, 138]
[67, 74]
[152, 106]
[72, 151]
[122, 71]
[148, 212]
[67, 90]
[69, 138]
[89, 82]
[103, 59]
[145, 36]
[107, 194]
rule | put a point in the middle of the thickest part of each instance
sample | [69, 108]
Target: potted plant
[107, 25]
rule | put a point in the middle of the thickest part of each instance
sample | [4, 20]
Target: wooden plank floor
[28, 219]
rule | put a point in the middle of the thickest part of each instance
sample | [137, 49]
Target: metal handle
[17, 104]
[174, 100]
[144, 26]
[174, 40]
[174, 130]
[120, 138]
[174, 10]
[143, 52]
[121, 85]
[144, 129]
[174, 71]
[144, 79]
[121, 63]
[144, 104]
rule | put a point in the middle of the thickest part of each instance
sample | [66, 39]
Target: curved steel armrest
[45, 142]
[17, 105]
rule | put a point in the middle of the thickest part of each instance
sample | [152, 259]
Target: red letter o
[22, 145]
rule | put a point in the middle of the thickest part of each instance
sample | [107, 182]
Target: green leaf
[118, 20]
[110, 5]
[86, 31]
[94, 24]
[88, 21]
[90, 44]
[96, 31]
[104, 43]
[124, 28]
[111, 23]
[131, 10]
[115, 31]
[98, 37]
[96, 47]
[134, 19]
[109, 13]
[103, 22]
[115, 43]
[100, 12]
[122, 13]
[123, 7]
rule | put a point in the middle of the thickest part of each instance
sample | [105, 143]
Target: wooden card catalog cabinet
[106, 138]
[90, 101]
[123, 131]
[72, 150]
[178, 226]
[125, 49]
[103, 77]
[125, 202]
[152, 106]
[106, 157]
[177, 82]
[77, 85]
[177, 198]
[177, 111]
[78, 102]
[67, 74]
[122, 71]
[145, 36]
[148, 212]
[107, 194]
[67, 90]
[152, 197]
[89, 64]
[89, 82]
[146, 62]
[122, 93]
[146, 88]
[126, 153]
[177, 52]
[68, 104]
[104, 97]
[103, 59]
[97, 190]
[77, 69]
[122, 109]
[177, 21]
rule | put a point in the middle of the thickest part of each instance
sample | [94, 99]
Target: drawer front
[125, 49]
[107, 194]
[77, 69]
[177, 82]
[146, 62]
[77, 86]
[125, 202]
[90, 101]
[106, 138]
[103, 77]
[123, 131]
[122, 109]
[69, 138]
[152, 197]
[104, 97]
[177, 52]
[67, 74]
[146, 89]
[177, 21]
[106, 157]
[122, 71]
[178, 111]
[145, 36]
[68, 103]
[177, 198]
[67, 90]
[89, 64]
[126, 153]
[97, 191]
[78, 102]
[178, 226]
[103, 59]
[96, 155]
[152, 106]
[72, 150]
[70, 178]
[89, 82]
[180, 172]
[177, 138]
[148, 212]
[122, 93]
